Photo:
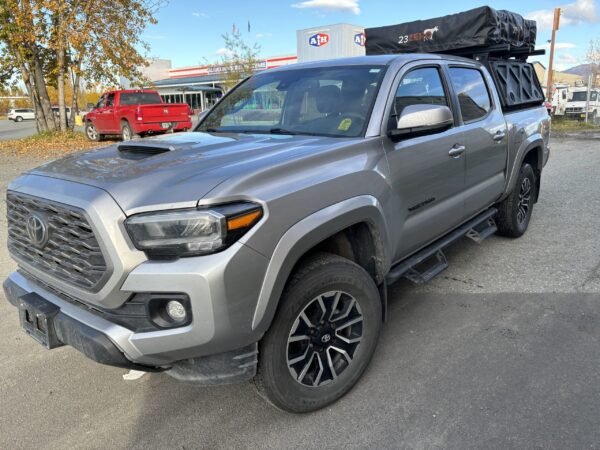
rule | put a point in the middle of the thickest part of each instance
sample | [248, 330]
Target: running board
[478, 229]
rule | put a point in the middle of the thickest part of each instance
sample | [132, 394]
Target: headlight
[191, 232]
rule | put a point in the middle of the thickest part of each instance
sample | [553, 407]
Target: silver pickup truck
[260, 246]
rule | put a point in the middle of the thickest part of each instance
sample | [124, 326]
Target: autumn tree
[54, 42]
[593, 57]
[239, 59]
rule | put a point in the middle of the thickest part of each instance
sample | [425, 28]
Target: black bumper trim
[92, 343]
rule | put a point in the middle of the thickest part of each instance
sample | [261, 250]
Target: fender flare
[307, 233]
[534, 141]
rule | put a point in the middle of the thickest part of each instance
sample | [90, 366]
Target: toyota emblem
[37, 230]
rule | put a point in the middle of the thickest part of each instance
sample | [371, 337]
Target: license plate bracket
[166, 125]
[37, 319]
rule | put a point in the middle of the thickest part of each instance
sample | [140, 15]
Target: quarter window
[418, 87]
[473, 96]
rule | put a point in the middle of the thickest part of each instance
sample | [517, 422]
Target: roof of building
[189, 80]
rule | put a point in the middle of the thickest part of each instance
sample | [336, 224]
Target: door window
[110, 100]
[473, 96]
[418, 87]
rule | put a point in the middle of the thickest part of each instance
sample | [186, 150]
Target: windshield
[581, 96]
[329, 101]
[140, 98]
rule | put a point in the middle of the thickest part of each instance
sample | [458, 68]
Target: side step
[432, 256]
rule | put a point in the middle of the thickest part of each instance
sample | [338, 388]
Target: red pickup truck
[135, 112]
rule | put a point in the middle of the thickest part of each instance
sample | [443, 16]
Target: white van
[577, 101]
[21, 114]
[560, 98]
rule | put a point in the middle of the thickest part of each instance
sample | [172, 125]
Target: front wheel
[514, 213]
[18, 119]
[91, 133]
[322, 337]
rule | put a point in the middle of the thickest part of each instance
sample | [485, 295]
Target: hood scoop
[137, 151]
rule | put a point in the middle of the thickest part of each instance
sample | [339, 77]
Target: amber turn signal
[244, 221]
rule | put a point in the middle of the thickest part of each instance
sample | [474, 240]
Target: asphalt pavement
[500, 351]
[16, 130]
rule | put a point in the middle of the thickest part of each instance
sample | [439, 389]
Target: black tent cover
[477, 28]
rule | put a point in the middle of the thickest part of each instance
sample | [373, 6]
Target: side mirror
[422, 119]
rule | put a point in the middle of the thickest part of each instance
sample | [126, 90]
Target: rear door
[427, 181]
[485, 133]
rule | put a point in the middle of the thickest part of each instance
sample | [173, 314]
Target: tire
[325, 280]
[514, 213]
[126, 131]
[18, 119]
[91, 133]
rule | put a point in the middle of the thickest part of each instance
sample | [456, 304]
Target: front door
[427, 181]
[105, 115]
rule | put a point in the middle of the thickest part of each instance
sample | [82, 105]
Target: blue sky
[189, 31]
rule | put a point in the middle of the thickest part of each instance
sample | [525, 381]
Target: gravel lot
[500, 351]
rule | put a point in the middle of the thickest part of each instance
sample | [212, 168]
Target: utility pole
[587, 97]
[549, 91]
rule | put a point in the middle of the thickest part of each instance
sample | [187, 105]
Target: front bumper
[79, 335]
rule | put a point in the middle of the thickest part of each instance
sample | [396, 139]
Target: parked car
[20, 114]
[262, 244]
[135, 112]
[576, 106]
[56, 112]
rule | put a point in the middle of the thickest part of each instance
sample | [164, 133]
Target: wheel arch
[532, 152]
[352, 228]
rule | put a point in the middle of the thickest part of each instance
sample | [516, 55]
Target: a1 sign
[319, 39]
[360, 39]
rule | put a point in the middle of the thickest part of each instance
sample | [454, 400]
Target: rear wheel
[514, 213]
[126, 131]
[322, 337]
[91, 133]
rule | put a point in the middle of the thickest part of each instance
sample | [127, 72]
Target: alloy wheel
[91, 132]
[524, 202]
[324, 338]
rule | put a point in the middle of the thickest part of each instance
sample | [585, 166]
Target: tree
[593, 57]
[50, 42]
[239, 60]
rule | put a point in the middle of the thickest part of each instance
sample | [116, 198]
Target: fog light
[176, 311]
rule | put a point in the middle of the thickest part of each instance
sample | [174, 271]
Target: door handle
[456, 151]
[499, 136]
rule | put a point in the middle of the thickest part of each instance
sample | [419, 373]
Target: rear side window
[420, 86]
[473, 96]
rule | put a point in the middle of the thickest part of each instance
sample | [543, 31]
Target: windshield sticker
[345, 124]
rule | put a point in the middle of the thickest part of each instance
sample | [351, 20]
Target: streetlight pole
[549, 90]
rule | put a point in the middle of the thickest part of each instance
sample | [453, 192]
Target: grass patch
[48, 145]
[572, 126]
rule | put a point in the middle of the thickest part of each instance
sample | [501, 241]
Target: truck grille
[574, 110]
[56, 239]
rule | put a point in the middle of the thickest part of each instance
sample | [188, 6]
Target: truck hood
[176, 170]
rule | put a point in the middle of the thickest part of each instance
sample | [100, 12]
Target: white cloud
[558, 45]
[566, 60]
[201, 14]
[350, 6]
[263, 35]
[223, 52]
[572, 14]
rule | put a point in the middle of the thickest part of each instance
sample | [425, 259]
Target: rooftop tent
[501, 40]
[464, 34]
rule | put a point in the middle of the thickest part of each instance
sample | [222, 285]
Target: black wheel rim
[324, 338]
[524, 202]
